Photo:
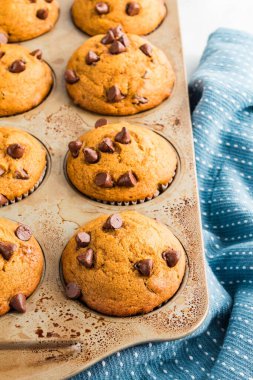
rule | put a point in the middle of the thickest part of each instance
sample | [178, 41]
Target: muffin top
[121, 163]
[21, 265]
[22, 163]
[137, 17]
[118, 74]
[123, 264]
[25, 79]
[26, 19]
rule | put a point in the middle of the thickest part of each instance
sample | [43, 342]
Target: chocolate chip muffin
[22, 164]
[137, 17]
[124, 264]
[118, 74]
[21, 265]
[26, 19]
[121, 163]
[25, 79]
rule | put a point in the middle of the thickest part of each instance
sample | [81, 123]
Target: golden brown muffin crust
[24, 19]
[141, 18]
[23, 271]
[143, 81]
[149, 156]
[24, 80]
[32, 164]
[113, 285]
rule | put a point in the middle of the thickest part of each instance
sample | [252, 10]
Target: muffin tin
[57, 337]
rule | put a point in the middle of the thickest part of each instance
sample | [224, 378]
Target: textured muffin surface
[148, 156]
[18, 174]
[119, 83]
[22, 272]
[113, 285]
[137, 17]
[24, 80]
[24, 19]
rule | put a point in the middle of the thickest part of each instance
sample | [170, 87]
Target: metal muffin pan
[58, 338]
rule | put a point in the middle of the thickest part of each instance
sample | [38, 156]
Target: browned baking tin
[57, 337]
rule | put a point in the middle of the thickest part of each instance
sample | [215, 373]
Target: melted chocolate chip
[144, 267]
[42, 14]
[18, 303]
[71, 77]
[91, 156]
[106, 146]
[108, 38]
[37, 53]
[74, 148]
[21, 174]
[17, 66]
[146, 49]
[114, 222]
[73, 291]
[3, 200]
[15, 151]
[3, 38]
[117, 48]
[123, 137]
[117, 31]
[103, 180]
[23, 232]
[82, 239]
[139, 100]
[102, 8]
[91, 58]
[87, 259]
[114, 94]
[101, 122]
[133, 8]
[171, 257]
[7, 250]
[127, 180]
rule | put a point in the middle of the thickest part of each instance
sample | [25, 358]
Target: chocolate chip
[71, 77]
[17, 66]
[102, 8]
[123, 137]
[21, 174]
[37, 53]
[74, 148]
[2, 171]
[124, 40]
[3, 200]
[42, 14]
[114, 95]
[117, 48]
[23, 232]
[144, 267]
[87, 259]
[15, 151]
[3, 38]
[114, 222]
[127, 180]
[146, 49]
[103, 180]
[2, 53]
[91, 156]
[91, 58]
[133, 8]
[171, 257]
[139, 100]
[108, 38]
[7, 249]
[73, 291]
[18, 303]
[117, 31]
[83, 239]
[101, 122]
[106, 146]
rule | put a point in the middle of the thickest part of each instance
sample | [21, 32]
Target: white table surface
[199, 18]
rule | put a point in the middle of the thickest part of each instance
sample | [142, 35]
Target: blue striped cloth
[221, 93]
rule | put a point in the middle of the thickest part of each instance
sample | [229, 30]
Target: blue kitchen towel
[221, 93]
